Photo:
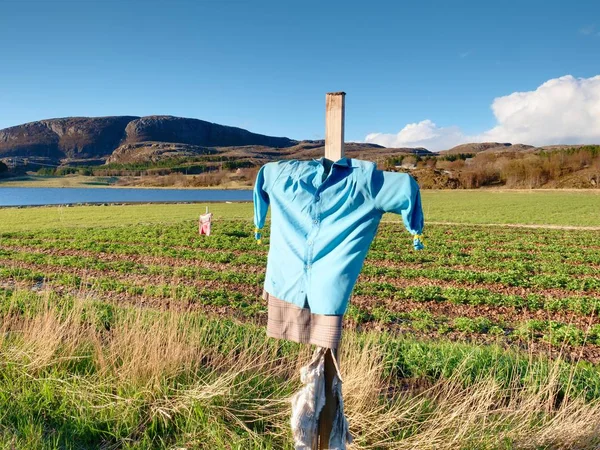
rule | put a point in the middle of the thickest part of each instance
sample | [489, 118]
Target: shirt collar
[343, 162]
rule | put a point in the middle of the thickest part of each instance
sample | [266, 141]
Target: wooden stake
[334, 150]
[329, 409]
[335, 111]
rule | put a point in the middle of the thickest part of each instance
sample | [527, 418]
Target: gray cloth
[308, 402]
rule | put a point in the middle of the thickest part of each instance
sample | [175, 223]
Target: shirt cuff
[258, 235]
[418, 242]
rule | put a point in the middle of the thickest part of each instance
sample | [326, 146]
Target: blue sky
[266, 65]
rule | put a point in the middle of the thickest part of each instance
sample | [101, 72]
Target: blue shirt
[323, 222]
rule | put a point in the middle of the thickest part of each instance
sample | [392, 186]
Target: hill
[196, 132]
[98, 137]
[167, 151]
[154, 152]
[71, 137]
[488, 147]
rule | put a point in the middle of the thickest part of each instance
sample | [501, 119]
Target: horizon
[432, 75]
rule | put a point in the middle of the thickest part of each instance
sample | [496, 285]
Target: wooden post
[329, 409]
[335, 110]
[334, 150]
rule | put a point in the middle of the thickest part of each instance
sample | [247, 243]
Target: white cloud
[587, 30]
[423, 134]
[563, 110]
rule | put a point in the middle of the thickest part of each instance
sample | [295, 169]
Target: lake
[27, 196]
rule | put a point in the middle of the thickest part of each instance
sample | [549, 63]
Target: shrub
[46, 171]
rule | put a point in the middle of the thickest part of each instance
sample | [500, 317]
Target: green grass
[81, 374]
[559, 208]
[56, 217]
[537, 207]
[80, 369]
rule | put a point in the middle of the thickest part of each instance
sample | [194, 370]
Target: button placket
[311, 237]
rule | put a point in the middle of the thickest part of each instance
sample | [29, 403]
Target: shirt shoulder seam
[287, 166]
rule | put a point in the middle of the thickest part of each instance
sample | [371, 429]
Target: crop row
[508, 278]
[125, 249]
[238, 231]
[584, 305]
[525, 263]
[248, 305]
[471, 250]
[550, 331]
[130, 267]
[517, 277]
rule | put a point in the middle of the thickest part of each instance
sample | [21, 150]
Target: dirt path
[517, 225]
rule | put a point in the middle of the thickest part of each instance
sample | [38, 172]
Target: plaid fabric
[290, 322]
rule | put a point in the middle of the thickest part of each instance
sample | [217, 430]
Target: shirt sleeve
[399, 193]
[261, 196]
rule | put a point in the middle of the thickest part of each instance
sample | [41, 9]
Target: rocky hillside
[72, 137]
[487, 147]
[98, 137]
[155, 140]
[154, 152]
[196, 132]
[131, 139]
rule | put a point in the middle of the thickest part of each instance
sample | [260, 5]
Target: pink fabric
[204, 224]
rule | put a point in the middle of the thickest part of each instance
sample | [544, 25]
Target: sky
[421, 73]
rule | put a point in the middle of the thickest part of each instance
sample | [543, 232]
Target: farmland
[122, 327]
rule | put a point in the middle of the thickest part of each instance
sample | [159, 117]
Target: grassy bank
[73, 181]
[78, 373]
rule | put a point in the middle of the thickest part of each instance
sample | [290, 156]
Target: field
[122, 328]
[501, 207]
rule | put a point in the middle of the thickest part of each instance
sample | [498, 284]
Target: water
[24, 196]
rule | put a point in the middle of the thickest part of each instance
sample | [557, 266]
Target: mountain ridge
[124, 139]
[99, 137]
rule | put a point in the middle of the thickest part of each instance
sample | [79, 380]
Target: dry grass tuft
[171, 373]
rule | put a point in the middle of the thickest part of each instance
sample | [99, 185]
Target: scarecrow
[324, 216]
[204, 223]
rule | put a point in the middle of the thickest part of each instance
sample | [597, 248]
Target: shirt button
[317, 198]
[309, 243]
[316, 221]
[308, 267]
